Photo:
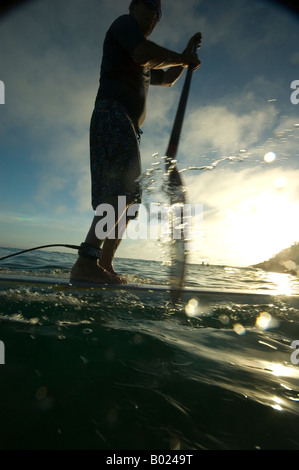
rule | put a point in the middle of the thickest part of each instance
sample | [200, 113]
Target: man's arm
[172, 75]
[166, 77]
[153, 54]
[150, 55]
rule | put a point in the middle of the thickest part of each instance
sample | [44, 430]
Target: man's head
[147, 13]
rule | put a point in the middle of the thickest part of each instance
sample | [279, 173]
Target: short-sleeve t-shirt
[121, 77]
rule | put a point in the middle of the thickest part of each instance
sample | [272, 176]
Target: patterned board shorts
[114, 154]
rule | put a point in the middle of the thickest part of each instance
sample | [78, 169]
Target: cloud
[217, 131]
[190, 22]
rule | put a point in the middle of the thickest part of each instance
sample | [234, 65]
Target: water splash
[157, 190]
[214, 164]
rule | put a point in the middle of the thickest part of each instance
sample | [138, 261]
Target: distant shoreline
[286, 261]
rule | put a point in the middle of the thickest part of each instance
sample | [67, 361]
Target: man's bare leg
[101, 270]
[89, 270]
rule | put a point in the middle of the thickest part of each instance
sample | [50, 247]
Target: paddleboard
[188, 292]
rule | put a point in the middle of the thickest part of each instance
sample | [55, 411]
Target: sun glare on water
[282, 283]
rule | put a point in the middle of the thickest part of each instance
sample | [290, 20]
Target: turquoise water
[126, 371]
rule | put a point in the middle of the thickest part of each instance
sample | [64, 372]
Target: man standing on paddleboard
[130, 64]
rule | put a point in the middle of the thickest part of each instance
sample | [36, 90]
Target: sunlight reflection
[265, 321]
[194, 308]
[239, 329]
[269, 157]
[280, 182]
[279, 370]
[191, 308]
[282, 282]
[278, 402]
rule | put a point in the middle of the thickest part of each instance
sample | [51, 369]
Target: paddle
[177, 194]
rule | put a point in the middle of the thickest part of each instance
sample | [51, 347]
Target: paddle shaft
[179, 118]
[177, 192]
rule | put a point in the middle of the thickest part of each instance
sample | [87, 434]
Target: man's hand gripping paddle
[177, 195]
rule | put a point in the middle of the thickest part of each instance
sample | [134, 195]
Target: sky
[239, 110]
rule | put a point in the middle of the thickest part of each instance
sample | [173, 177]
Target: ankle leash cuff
[88, 251]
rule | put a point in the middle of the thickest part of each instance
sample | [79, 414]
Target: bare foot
[86, 270]
[108, 268]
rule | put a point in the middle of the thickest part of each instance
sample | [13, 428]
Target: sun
[261, 226]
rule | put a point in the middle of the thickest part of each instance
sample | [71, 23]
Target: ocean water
[117, 370]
